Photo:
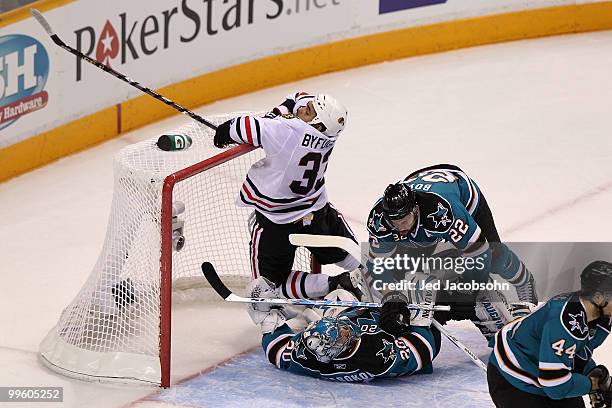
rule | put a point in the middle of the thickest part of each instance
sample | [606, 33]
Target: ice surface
[528, 120]
[456, 381]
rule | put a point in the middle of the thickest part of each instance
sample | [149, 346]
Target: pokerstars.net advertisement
[154, 43]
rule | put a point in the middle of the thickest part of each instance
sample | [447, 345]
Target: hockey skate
[527, 291]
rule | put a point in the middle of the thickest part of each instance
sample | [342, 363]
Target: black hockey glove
[343, 281]
[289, 104]
[602, 396]
[222, 135]
[394, 315]
[461, 306]
[600, 400]
[274, 113]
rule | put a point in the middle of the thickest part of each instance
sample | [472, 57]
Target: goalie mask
[329, 337]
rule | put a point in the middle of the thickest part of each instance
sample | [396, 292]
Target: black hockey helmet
[398, 201]
[596, 277]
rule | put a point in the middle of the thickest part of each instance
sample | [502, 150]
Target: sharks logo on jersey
[376, 222]
[578, 323]
[574, 320]
[440, 217]
[387, 352]
[437, 212]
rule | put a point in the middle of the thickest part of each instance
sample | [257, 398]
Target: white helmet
[330, 113]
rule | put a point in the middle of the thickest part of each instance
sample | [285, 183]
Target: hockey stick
[45, 24]
[215, 282]
[355, 251]
[459, 345]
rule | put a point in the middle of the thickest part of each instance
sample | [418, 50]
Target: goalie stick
[460, 345]
[348, 245]
[327, 241]
[215, 282]
[45, 24]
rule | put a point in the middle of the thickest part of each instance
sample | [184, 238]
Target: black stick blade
[211, 276]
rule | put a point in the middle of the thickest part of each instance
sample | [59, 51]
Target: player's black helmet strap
[398, 201]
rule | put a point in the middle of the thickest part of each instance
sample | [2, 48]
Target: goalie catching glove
[267, 317]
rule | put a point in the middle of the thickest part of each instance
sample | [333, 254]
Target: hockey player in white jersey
[287, 190]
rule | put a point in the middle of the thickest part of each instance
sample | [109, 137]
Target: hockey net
[118, 326]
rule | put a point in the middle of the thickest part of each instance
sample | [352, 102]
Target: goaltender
[347, 344]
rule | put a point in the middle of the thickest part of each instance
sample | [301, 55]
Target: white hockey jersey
[289, 182]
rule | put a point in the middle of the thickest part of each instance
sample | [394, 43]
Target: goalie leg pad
[268, 321]
[261, 288]
[491, 313]
[420, 291]
[267, 317]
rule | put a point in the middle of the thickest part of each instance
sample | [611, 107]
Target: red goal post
[166, 247]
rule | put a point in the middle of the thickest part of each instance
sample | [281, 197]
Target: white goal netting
[111, 330]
